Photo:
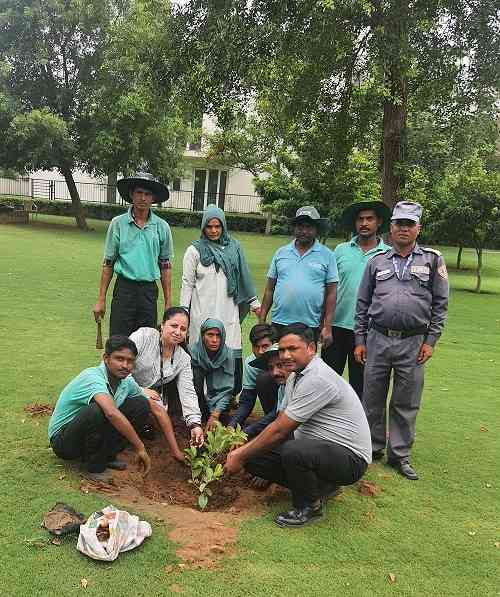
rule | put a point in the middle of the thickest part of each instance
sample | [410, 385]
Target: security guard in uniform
[400, 314]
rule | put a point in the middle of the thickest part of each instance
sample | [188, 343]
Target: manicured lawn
[437, 536]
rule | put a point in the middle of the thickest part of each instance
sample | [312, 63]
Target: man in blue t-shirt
[101, 410]
[302, 279]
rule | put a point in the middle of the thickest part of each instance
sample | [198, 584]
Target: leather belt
[399, 333]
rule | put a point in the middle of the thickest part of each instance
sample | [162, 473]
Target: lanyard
[408, 260]
[162, 385]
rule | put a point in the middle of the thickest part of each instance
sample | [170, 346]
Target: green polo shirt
[351, 263]
[136, 252]
[80, 391]
[249, 373]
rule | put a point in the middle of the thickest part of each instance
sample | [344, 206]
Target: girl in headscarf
[213, 368]
[216, 282]
[163, 369]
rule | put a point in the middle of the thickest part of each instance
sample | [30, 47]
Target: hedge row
[187, 219]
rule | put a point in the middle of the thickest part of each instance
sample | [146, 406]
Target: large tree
[81, 97]
[321, 78]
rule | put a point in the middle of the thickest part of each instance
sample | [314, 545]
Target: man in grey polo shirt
[331, 444]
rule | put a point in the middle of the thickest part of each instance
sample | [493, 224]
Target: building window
[176, 185]
[209, 187]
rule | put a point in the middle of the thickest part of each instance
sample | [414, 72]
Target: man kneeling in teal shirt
[101, 410]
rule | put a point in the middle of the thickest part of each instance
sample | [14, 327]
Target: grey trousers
[383, 356]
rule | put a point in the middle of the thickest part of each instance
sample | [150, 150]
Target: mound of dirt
[168, 481]
[204, 537]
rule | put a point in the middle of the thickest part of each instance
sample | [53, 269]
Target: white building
[203, 182]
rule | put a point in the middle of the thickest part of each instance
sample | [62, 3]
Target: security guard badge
[419, 269]
[442, 271]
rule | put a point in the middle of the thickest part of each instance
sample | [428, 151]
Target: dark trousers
[133, 306]
[267, 391]
[309, 468]
[92, 438]
[199, 388]
[340, 351]
[238, 375]
[171, 394]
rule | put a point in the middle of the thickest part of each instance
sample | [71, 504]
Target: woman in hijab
[213, 367]
[216, 282]
[163, 369]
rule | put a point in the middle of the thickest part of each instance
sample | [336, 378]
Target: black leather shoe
[377, 455]
[404, 468]
[298, 517]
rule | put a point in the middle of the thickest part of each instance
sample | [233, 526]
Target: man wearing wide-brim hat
[139, 250]
[302, 279]
[270, 362]
[366, 219]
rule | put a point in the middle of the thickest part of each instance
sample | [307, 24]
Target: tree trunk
[78, 212]
[479, 253]
[269, 222]
[111, 190]
[394, 124]
[459, 257]
[395, 64]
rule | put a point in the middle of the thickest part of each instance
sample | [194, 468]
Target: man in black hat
[366, 219]
[139, 250]
[302, 279]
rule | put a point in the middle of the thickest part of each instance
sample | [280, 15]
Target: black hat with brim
[379, 207]
[262, 362]
[145, 180]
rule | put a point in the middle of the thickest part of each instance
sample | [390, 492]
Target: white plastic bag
[126, 531]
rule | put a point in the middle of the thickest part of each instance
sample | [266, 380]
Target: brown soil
[203, 537]
[368, 488]
[39, 410]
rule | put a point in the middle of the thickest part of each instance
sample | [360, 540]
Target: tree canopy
[315, 81]
[74, 93]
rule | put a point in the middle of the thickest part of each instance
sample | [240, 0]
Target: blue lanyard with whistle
[407, 262]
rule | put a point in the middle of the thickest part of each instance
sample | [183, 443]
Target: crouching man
[101, 410]
[331, 445]
[270, 362]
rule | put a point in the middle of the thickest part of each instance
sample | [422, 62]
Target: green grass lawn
[437, 536]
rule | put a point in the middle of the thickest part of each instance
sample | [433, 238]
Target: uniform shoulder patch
[430, 250]
[442, 271]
